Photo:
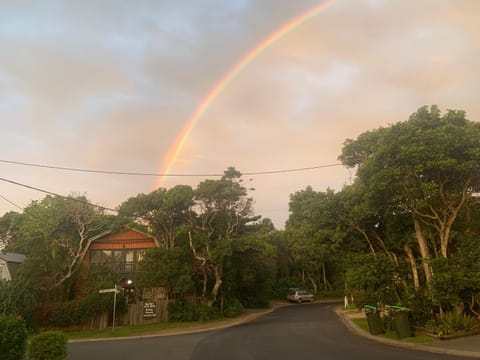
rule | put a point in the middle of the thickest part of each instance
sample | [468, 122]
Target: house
[9, 264]
[120, 252]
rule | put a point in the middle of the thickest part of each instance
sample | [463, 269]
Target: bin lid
[397, 308]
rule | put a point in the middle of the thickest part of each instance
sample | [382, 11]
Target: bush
[78, 312]
[453, 321]
[232, 307]
[205, 313]
[13, 338]
[256, 302]
[183, 311]
[364, 297]
[49, 345]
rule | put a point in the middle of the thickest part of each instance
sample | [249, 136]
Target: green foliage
[13, 338]
[427, 165]
[452, 322]
[373, 278]
[49, 345]
[232, 307]
[223, 211]
[183, 311]
[54, 233]
[206, 313]
[162, 211]
[18, 297]
[170, 268]
[421, 306]
[313, 237]
[364, 297]
[448, 281]
[78, 312]
[250, 272]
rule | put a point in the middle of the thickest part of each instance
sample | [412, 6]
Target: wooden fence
[146, 312]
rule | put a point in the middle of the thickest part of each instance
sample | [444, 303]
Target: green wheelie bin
[400, 320]
[374, 320]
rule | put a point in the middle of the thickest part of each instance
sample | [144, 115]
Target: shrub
[454, 321]
[205, 313]
[256, 302]
[78, 312]
[49, 345]
[364, 297]
[421, 307]
[181, 311]
[13, 338]
[232, 307]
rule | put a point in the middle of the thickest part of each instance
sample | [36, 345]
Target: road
[307, 331]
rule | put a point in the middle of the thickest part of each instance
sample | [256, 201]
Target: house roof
[129, 234]
[13, 261]
[12, 257]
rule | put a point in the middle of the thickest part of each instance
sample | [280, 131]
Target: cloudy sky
[108, 85]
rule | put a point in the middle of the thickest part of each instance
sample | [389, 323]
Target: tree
[312, 230]
[8, 228]
[162, 211]
[426, 167]
[250, 272]
[169, 268]
[222, 208]
[55, 234]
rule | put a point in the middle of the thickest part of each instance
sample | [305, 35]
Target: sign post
[115, 291]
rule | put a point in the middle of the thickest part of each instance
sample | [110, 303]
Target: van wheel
[299, 301]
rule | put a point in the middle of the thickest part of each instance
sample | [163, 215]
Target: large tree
[163, 212]
[426, 167]
[313, 234]
[55, 234]
[222, 208]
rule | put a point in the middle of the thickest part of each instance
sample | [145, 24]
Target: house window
[100, 256]
[129, 261]
[120, 261]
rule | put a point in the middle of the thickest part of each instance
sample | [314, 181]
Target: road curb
[352, 327]
[191, 330]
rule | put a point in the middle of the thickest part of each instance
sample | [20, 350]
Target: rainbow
[220, 85]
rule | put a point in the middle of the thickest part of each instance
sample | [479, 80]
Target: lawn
[136, 330]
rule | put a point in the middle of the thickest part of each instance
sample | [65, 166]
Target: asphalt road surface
[301, 332]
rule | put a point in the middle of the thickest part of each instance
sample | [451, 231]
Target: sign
[115, 291]
[149, 310]
[103, 291]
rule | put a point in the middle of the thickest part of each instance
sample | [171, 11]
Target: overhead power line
[131, 173]
[55, 194]
[11, 202]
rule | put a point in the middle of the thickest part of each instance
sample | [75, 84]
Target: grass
[390, 334]
[134, 330]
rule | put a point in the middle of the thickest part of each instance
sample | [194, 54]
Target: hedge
[49, 345]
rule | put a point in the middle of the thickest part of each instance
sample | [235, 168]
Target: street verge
[352, 327]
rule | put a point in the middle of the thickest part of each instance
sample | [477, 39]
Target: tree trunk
[413, 265]
[313, 282]
[422, 244]
[204, 283]
[216, 287]
[326, 284]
